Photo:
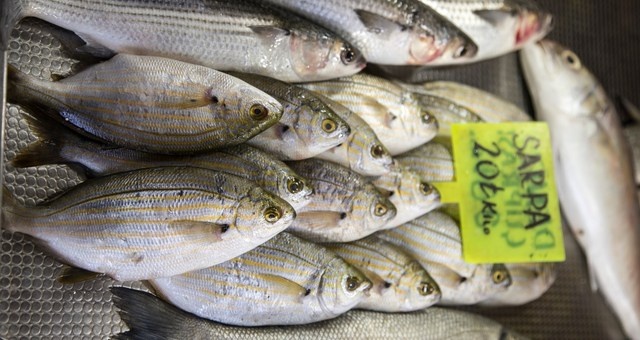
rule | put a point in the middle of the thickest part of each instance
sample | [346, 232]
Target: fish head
[341, 287]
[254, 106]
[372, 208]
[374, 157]
[500, 276]
[415, 192]
[317, 54]
[532, 22]
[422, 289]
[319, 126]
[294, 189]
[261, 215]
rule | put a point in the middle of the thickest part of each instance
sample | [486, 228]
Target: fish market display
[149, 317]
[152, 104]
[286, 281]
[400, 283]
[392, 112]
[152, 222]
[434, 240]
[594, 174]
[308, 126]
[414, 32]
[60, 145]
[528, 282]
[432, 161]
[344, 206]
[241, 35]
[410, 194]
[363, 152]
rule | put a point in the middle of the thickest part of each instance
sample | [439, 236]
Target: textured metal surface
[34, 306]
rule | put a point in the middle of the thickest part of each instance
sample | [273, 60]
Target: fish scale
[432, 161]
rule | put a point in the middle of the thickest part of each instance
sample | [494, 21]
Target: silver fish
[433, 161]
[286, 281]
[528, 282]
[594, 174]
[308, 126]
[152, 223]
[244, 36]
[363, 152]
[344, 206]
[409, 192]
[446, 112]
[151, 104]
[434, 240]
[400, 283]
[149, 317]
[392, 112]
[62, 146]
[389, 32]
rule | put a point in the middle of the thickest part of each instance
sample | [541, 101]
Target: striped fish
[446, 112]
[392, 112]
[61, 145]
[410, 194]
[434, 240]
[362, 152]
[400, 283]
[344, 207]
[308, 126]
[433, 161]
[528, 282]
[151, 104]
[241, 35]
[286, 281]
[152, 223]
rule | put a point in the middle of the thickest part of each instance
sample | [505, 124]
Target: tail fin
[46, 150]
[148, 317]
[11, 11]
[12, 211]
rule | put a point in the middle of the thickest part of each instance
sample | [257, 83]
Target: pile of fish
[241, 166]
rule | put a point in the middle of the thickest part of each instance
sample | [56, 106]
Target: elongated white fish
[152, 223]
[594, 174]
[241, 35]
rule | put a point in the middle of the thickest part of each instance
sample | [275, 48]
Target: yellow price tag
[506, 193]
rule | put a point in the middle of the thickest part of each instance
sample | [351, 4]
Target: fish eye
[498, 276]
[258, 112]
[377, 151]
[380, 209]
[272, 214]
[294, 185]
[328, 125]
[571, 59]
[347, 55]
[428, 118]
[461, 52]
[353, 283]
[425, 288]
[425, 188]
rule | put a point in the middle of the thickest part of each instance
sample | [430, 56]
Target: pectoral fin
[280, 285]
[376, 23]
[269, 33]
[317, 220]
[213, 229]
[94, 48]
[71, 275]
[494, 16]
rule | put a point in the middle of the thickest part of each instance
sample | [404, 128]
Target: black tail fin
[148, 317]
[12, 212]
[46, 150]
[10, 13]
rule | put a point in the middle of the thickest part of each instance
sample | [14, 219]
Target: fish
[243, 36]
[148, 317]
[409, 192]
[400, 283]
[497, 27]
[285, 281]
[433, 161]
[392, 112]
[344, 207]
[308, 126]
[446, 112]
[632, 135]
[529, 282]
[434, 240]
[362, 152]
[594, 172]
[151, 223]
[151, 104]
[63, 146]
[404, 32]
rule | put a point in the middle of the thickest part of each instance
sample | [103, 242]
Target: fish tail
[149, 317]
[11, 11]
[13, 213]
[47, 149]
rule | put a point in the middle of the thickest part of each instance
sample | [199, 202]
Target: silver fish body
[62, 146]
[400, 283]
[242, 36]
[446, 112]
[434, 240]
[409, 192]
[308, 126]
[392, 112]
[149, 317]
[153, 222]
[344, 206]
[152, 104]
[432, 161]
[528, 282]
[362, 152]
[286, 281]
[594, 174]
